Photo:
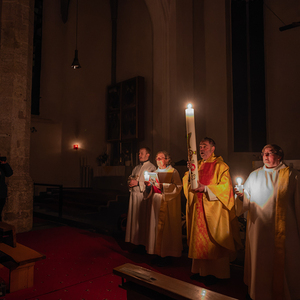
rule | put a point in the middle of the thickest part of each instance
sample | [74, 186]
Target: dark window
[249, 104]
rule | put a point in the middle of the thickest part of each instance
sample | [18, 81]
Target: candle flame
[189, 106]
[239, 180]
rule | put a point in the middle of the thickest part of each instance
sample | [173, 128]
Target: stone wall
[17, 19]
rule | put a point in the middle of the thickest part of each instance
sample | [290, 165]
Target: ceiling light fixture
[76, 64]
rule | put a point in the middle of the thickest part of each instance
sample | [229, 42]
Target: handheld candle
[239, 185]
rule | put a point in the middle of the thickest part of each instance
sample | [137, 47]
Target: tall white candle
[192, 146]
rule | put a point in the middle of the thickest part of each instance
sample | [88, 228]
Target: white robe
[136, 217]
[260, 201]
[171, 234]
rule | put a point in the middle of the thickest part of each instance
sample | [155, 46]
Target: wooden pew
[7, 234]
[145, 284]
[19, 259]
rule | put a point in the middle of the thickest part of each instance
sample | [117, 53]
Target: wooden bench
[7, 234]
[19, 259]
[145, 284]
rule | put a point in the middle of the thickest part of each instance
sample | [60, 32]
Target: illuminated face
[206, 149]
[270, 159]
[161, 161]
[143, 155]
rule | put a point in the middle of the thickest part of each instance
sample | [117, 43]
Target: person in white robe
[272, 250]
[164, 212]
[136, 218]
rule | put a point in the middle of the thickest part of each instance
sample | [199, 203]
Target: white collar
[277, 168]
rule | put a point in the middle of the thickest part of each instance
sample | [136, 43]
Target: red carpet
[79, 265]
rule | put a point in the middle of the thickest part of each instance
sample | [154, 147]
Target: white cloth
[260, 193]
[219, 267]
[169, 214]
[136, 217]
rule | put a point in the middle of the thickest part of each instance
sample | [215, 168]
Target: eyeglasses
[267, 154]
[160, 158]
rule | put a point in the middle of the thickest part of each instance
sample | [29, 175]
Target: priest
[212, 226]
[272, 257]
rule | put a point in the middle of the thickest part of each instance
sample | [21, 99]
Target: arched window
[249, 104]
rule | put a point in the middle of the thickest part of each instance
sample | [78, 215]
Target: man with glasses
[136, 218]
[272, 258]
[212, 226]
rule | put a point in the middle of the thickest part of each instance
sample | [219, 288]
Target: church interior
[85, 84]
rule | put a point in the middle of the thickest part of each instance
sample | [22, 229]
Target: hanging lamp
[76, 64]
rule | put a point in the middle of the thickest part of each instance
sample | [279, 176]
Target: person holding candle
[272, 251]
[164, 212]
[136, 217]
[212, 226]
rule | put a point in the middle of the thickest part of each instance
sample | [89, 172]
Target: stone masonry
[16, 48]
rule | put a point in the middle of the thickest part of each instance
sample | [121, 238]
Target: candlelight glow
[189, 111]
[239, 180]
[76, 145]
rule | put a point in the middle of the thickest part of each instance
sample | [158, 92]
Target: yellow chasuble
[212, 227]
[280, 219]
[164, 214]
[166, 196]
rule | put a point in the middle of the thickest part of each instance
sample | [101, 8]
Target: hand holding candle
[146, 176]
[192, 146]
[239, 185]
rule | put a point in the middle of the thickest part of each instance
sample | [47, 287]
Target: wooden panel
[21, 278]
[114, 113]
[125, 110]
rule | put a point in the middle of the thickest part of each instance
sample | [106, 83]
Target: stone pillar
[16, 23]
[163, 16]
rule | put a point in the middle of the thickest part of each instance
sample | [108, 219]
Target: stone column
[17, 18]
[163, 16]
